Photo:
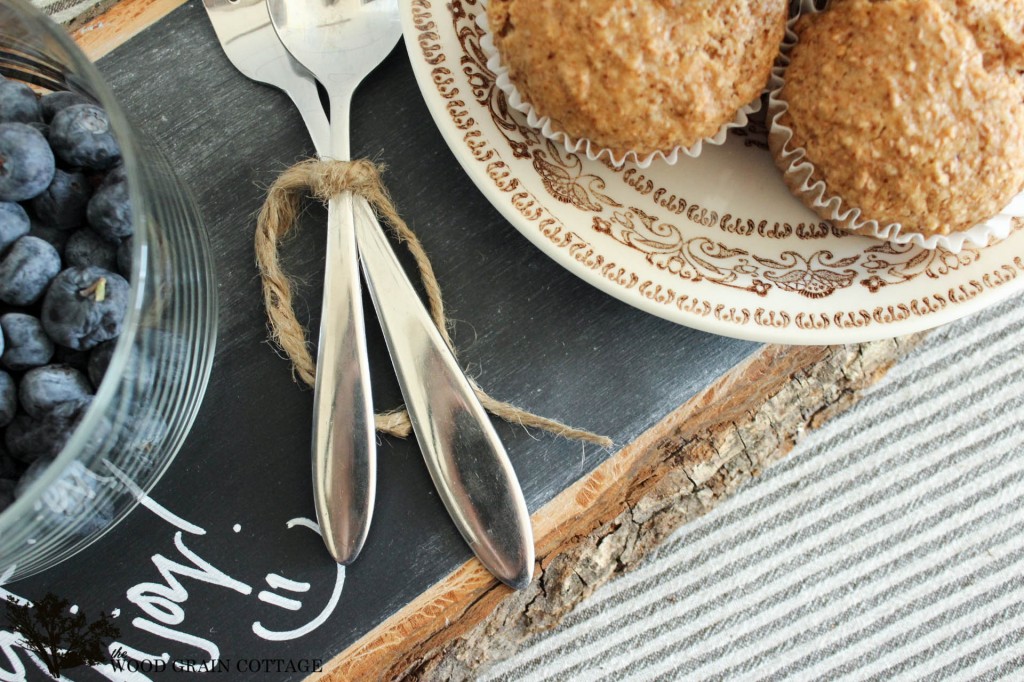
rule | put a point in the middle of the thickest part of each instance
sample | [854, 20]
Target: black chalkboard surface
[222, 562]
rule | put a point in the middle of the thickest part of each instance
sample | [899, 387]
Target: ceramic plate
[716, 243]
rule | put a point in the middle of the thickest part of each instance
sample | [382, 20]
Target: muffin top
[638, 75]
[911, 110]
[998, 28]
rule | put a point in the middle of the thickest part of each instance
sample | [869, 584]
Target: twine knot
[324, 179]
[329, 178]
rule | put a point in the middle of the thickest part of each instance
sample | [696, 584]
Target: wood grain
[607, 522]
[119, 23]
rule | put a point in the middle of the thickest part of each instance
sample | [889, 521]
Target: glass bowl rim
[82, 66]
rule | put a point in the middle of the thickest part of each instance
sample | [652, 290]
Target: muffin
[640, 76]
[904, 116]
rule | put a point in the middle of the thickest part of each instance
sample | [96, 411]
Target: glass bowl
[160, 365]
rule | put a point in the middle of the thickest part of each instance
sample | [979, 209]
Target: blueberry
[18, 103]
[28, 438]
[26, 271]
[110, 211]
[124, 257]
[9, 467]
[26, 162]
[7, 487]
[31, 475]
[84, 307]
[59, 390]
[74, 503]
[8, 399]
[85, 247]
[138, 372]
[53, 102]
[14, 223]
[27, 345]
[63, 203]
[55, 237]
[81, 137]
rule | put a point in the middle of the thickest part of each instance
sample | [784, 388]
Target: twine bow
[325, 179]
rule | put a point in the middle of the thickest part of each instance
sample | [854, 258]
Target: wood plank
[119, 23]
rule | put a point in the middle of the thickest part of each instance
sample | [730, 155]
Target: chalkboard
[225, 536]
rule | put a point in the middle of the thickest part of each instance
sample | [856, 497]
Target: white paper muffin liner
[799, 171]
[590, 149]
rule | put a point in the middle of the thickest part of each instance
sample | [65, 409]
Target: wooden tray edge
[115, 22]
[607, 522]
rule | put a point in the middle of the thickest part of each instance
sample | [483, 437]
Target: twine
[324, 179]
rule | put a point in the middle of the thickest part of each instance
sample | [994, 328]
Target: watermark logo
[60, 634]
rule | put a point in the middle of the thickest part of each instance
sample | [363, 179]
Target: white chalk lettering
[205, 645]
[8, 644]
[151, 504]
[278, 582]
[163, 608]
[161, 601]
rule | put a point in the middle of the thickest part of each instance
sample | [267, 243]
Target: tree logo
[61, 638]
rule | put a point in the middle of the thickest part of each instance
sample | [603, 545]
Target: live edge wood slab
[688, 458]
[606, 523]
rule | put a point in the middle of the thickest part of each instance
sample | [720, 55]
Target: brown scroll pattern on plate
[564, 177]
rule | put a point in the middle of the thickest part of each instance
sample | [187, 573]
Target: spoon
[340, 42]
[344, 440]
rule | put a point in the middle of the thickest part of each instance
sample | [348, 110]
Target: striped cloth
[67, 11]
[889, 545]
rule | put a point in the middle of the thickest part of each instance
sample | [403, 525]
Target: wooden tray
[225, 535]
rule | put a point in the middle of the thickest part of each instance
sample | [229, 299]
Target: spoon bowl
[340, 42]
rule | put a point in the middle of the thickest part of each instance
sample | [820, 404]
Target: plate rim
[790, 335]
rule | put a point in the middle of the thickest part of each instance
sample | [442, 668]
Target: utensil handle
[466, 460]
[344, 440]
[303, 93]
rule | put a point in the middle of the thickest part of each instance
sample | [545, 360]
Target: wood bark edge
[111, 23]
[608, 521]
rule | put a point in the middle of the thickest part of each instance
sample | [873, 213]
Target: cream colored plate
[716, 243]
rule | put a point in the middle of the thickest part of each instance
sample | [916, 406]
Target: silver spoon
[344, 445]
[340, 41]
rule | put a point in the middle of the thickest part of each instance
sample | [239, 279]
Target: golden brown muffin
[997, 27]
[898, 113]
[638, 75]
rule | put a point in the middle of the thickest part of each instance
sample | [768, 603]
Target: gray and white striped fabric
[65, 11]
[889, 545]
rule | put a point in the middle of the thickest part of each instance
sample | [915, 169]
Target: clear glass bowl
[159, 369]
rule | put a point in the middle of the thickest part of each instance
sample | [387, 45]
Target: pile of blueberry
[65, 259]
